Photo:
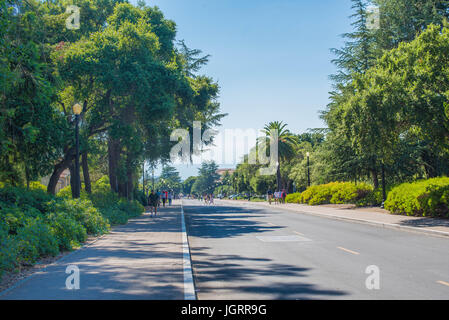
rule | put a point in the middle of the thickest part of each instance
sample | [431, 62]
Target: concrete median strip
[189, 286]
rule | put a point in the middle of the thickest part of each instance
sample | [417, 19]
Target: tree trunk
[375, 178]
[72, 180]
[86, 175]
[113, 159]
[57, 171]
[130, 184]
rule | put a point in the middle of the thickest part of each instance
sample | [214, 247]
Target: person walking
[276, 197]
[159, 198]
[283, 195]
[269, 195]
[164, 197]
[153, 202]
[170, 197]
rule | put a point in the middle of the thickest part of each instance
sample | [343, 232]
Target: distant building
[222, 172]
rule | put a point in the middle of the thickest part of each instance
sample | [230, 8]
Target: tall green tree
[207, 178]
[286, 144]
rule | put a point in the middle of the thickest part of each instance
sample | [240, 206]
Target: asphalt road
[252, 252]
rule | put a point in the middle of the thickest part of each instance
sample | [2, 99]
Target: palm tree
[287, 143]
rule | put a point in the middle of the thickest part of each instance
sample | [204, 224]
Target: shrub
[24, 198]
[114, 215]
[334, 192]
[8, 250]
[374, 198]
[69, 232]
[293, 198]
[133, 208]
[35, 239]
[36, 185]
[83, 211]
[421, 198]
[34, 223]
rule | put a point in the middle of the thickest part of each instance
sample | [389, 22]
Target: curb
[368, 222]
[189, 284]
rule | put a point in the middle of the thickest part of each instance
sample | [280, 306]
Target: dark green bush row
[336, 193]
[421, 198]
[116, 210]
[34, 224]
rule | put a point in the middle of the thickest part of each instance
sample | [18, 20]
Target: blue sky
[271, 58]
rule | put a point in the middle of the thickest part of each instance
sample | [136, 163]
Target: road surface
[253, 252]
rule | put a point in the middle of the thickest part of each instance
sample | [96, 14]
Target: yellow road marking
[347, 250]
[298, 233]
[443, 283]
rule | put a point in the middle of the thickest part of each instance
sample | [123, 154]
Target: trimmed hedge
[335, 193]
[421, 198]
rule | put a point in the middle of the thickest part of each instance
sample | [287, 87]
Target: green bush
[293, 198]
[114, 215]
[83, 211]
[35, 224]
[421, 198]
[24, 198]
[8, 250]
[35, 239]
[69, 232]
[374, 198]
[334, 192]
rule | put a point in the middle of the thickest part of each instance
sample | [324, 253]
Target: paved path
[249, 251]
[140, 260]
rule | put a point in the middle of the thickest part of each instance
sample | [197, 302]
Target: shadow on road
[226, 222]
[426, 222]
[246, 274]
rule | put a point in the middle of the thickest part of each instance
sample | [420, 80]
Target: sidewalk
[374, 216]
[140, 260]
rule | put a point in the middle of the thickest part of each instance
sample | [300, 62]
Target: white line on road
[189, 286]
[347, 250]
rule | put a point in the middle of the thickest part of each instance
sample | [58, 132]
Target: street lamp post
[77, 185]
[308, 169]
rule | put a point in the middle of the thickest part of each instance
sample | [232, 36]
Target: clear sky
[271, 58]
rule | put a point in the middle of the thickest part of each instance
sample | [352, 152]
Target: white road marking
[189, 286]
[283, 239]
[347, 250]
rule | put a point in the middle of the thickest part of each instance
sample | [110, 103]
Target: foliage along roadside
[35, 224]
[422, 198]
[361, 194]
